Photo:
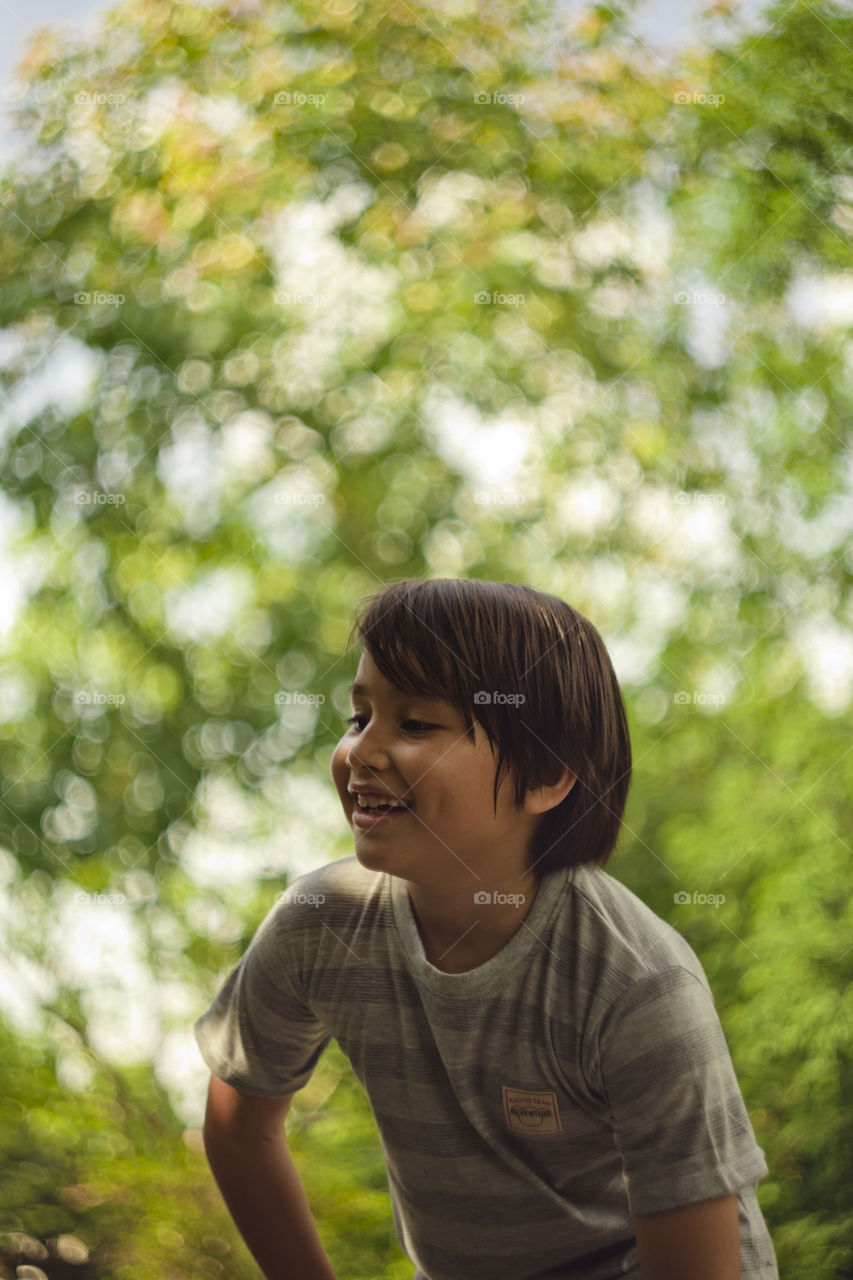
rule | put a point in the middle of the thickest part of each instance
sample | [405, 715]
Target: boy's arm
[694, 1242]
[247, 1151]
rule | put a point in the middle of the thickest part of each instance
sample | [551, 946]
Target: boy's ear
[549, 795]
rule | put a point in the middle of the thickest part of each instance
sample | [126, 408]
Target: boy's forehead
[369, 679]
[366, 688]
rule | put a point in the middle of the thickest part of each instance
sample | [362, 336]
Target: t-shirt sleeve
[259, 1035]
[678, 1116]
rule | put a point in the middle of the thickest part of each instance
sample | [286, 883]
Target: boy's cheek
[338, 769]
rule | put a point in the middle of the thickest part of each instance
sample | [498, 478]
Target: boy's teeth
[369, 802]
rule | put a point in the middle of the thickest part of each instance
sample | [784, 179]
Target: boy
[551, 1084]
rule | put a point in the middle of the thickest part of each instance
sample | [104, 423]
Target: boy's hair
[460, 637]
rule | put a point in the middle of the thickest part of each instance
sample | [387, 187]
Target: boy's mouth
[378, 816]
[369, 801]
[376, 809]
[374, 805]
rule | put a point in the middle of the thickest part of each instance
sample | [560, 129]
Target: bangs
[425, 651]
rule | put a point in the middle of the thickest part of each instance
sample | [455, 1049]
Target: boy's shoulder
[344, 881]
[613, 924]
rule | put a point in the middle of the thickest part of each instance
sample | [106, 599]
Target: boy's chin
[371, 853]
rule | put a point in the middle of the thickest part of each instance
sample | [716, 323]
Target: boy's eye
[416, 726]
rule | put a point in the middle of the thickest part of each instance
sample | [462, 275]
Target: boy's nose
[357, 762]
[369, 754]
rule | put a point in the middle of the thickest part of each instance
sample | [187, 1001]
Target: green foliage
[109, 1166]
[764, 827]
[293, 340]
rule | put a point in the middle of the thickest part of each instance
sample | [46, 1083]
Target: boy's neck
[459, 934]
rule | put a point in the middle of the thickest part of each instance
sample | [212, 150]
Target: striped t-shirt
[526, 1108]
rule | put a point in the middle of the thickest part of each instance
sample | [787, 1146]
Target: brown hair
[459, 637]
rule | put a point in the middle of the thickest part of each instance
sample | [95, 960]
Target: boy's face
[416, 749]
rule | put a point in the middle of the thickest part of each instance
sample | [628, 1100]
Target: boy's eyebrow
[358, 688]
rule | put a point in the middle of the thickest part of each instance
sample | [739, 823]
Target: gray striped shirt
[526, 1108]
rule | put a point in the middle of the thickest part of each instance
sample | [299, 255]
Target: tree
[297, 300]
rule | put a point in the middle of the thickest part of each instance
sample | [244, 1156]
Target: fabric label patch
[531, 1112]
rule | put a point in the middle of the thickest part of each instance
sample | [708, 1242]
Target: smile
[367, 819]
